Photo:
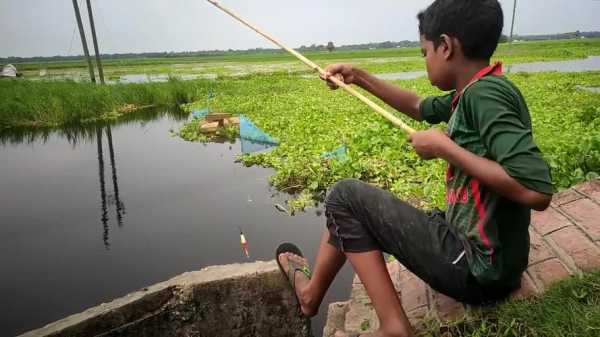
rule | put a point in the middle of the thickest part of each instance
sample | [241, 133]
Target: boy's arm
[434, 143]
[400, 99]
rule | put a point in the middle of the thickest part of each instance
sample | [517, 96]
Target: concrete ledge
[251, 299]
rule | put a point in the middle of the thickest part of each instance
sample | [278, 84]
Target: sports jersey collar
[493, 69]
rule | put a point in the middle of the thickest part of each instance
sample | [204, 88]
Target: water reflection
[89, 133]
[104, 213]
[120, 206]
[113, 199]
[76, 134]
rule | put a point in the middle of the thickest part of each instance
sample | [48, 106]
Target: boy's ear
[448, 45]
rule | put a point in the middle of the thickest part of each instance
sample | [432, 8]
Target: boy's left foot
[300, 283]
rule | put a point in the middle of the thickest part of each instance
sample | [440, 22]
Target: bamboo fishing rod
[389, 116]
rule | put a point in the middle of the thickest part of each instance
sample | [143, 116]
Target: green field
[377, 60]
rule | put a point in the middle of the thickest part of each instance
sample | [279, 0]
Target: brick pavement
[565, 240]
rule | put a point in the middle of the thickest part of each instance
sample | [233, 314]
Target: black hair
[477, 24]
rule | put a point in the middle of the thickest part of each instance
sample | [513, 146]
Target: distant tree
[503, 38]
[330, 46]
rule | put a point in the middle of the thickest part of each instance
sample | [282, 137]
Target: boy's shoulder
[500, 85]
[495, 91]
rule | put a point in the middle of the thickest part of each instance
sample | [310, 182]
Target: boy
[476, 251]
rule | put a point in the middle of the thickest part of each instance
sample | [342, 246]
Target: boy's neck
[466, 71]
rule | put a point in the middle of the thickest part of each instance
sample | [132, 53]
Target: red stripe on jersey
[480, 210]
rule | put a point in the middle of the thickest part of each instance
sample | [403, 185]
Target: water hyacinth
[310, 120]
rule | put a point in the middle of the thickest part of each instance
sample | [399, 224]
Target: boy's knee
[340, 190]
[345, 185]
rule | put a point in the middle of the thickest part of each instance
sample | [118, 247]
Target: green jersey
[490, 119]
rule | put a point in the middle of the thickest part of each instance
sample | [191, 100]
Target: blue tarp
[254, 139]
[340, 153]
[200, 113]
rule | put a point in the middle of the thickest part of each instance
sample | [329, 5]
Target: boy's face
[437, 64]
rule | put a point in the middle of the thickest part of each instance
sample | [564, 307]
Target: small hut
[9, 71]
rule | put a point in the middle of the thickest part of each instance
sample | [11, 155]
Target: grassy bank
[309, 119]
[571, 308]
[78, 133]
[48, 104]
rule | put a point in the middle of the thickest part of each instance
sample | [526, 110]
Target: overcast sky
[47, 27]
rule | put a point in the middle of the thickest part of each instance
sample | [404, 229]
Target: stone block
[538, 250]
[394, 269]
[547, 272]
[528, 287]
[591, 189]
[566, 197]
[413, 291]
[417, 315]
[548, 221]
[217, 116]
[446, 308]
[577, 247]
[209, 127]
[586, 214]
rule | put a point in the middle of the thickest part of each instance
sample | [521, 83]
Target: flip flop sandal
[293, 267]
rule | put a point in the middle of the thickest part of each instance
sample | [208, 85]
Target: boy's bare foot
[307, 304]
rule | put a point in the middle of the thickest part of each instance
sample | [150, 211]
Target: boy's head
[458, 31]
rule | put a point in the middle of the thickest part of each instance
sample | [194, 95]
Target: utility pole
[120, 205]
[103, 207]
[512, 26]
[98, 63]
[83, 42]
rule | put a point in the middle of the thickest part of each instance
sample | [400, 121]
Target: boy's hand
[430, 143]
[344, 72]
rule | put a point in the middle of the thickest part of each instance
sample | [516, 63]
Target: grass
[50, 104]
[308, 120]
[570, 308]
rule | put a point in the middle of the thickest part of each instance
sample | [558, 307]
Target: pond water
[595, 90]
[144, 78]
[591, 63]
[91, 214]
